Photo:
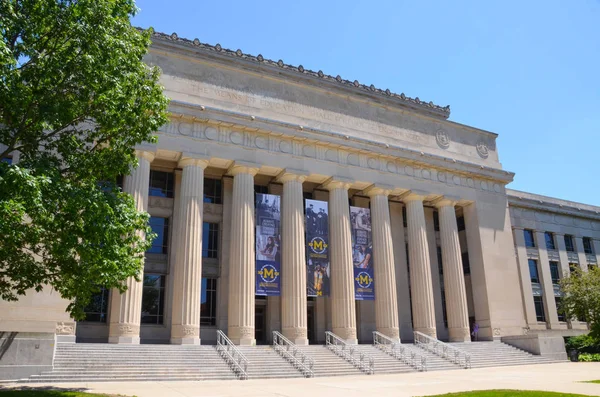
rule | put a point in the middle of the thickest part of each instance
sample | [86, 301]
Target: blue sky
[526, 70]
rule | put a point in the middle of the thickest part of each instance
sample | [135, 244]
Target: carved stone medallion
[483, 150]
[441, 137]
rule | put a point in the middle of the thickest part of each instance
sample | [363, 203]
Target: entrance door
[260, 325]
[310, 323]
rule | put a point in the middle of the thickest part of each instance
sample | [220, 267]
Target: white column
[420, 267]
[187, 270]
[343, 310]
[386, 301]
[525, 276]
[580, 253]
[454, 280]
[224, 257]
[293, 266]
[546, 281]
[596, 243]
[242, 259]
[126, 308]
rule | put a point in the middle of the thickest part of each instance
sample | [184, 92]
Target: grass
[48, 393]
[509, 393]
[593, 381]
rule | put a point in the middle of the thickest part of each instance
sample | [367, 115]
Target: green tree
[75, 99]
[582, 298]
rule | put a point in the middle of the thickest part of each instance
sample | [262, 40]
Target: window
[533, 271]
[436, 221]
[96, 311]
[460, 222]
[529, 241]
[160, 226]
[569, 243]
[559, 310]
[573, 267]
[587, 246]
[554, 272]
[439, 258]
[404, 221]
[466, 264]
[212, 191]
[208, 302]
[261, 189]
[153, 299]
[307, 195]
[210, 240]
[549, 237]
[161, 184]
[538, 302]
[7, 160]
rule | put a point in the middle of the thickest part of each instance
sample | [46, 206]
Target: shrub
[587, 357]
[583, 344]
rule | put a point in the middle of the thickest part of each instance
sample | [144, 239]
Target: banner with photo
[362, 253]
[317, 248]
[268, 245]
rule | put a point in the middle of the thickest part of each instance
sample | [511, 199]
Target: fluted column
[386, 301]
[420, 267]
[126, 308]
[343, 309]
[293, 266]
[242, 275]
[187, 269]
[454, 280]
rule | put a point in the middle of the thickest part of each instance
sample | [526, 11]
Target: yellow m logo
[269, 273]
[318, 245]
[363, 279]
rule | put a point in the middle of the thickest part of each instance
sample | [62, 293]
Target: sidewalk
[563, 377]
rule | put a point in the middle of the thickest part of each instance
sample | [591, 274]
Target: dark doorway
[310, 323]
[260, 325]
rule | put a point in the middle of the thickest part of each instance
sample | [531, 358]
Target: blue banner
[317, 248]
[268, 245]
[362, 253]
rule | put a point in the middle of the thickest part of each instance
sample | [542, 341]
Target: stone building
[452, 246]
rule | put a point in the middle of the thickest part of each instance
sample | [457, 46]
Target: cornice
[250, 123]
[549, 204]
[279, 66]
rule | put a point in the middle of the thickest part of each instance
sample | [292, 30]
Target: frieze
[65, 328]
[276, 144]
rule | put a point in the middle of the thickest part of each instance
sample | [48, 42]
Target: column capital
[338, 182]
[290, 174]
[518, 228]
[414, 195]
[446, 201]
[145, 154]
[244, 167]
[378, 190]
[193, 159]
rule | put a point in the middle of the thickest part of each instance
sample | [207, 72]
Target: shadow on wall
[7, 339]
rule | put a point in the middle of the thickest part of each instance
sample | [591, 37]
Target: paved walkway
[563, 377]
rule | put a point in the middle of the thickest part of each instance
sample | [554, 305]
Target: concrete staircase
[266, 363]
[327, 363]
[434, 362]
[384, 363]
[497, 354]
[98, 362]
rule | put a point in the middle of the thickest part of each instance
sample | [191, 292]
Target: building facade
[451, 245]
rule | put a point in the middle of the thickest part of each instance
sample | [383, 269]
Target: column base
[65, 338]
[296, 335]
[242, 336]
[124, 340]
[459, 335]
[427, 331]
[392, 333]
[122, 333]
[185, 341]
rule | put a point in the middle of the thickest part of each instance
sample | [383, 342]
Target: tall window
[404, 220]
[160, 226]
[7, 160]
[559, 310]
[153, 299]
[210, 240]
[538, 302]
[213, 191]
[436, 221]
[529, 241]
[533, 271]
[460, 222]
[466, 264]
[161, 184]
[554, 272]
[569, 243]
[549, 237]
[96, 311]
[208, 302]
[587, 246]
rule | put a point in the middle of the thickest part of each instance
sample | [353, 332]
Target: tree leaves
[75, 98]
[582, 297]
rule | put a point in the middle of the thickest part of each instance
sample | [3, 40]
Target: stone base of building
[544, 344]
[23, 354]
[185, 341]
[124, 340]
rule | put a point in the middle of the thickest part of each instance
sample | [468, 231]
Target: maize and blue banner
[362, 253]
[317, 248]
[268, 245]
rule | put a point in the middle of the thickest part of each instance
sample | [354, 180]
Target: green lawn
[508, 393]
[593, 381]
[48, 393]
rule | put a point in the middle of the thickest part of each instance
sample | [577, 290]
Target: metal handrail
[232, 355]
[399, 352]
[290, 351]
[350, 353]
[443, 350]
